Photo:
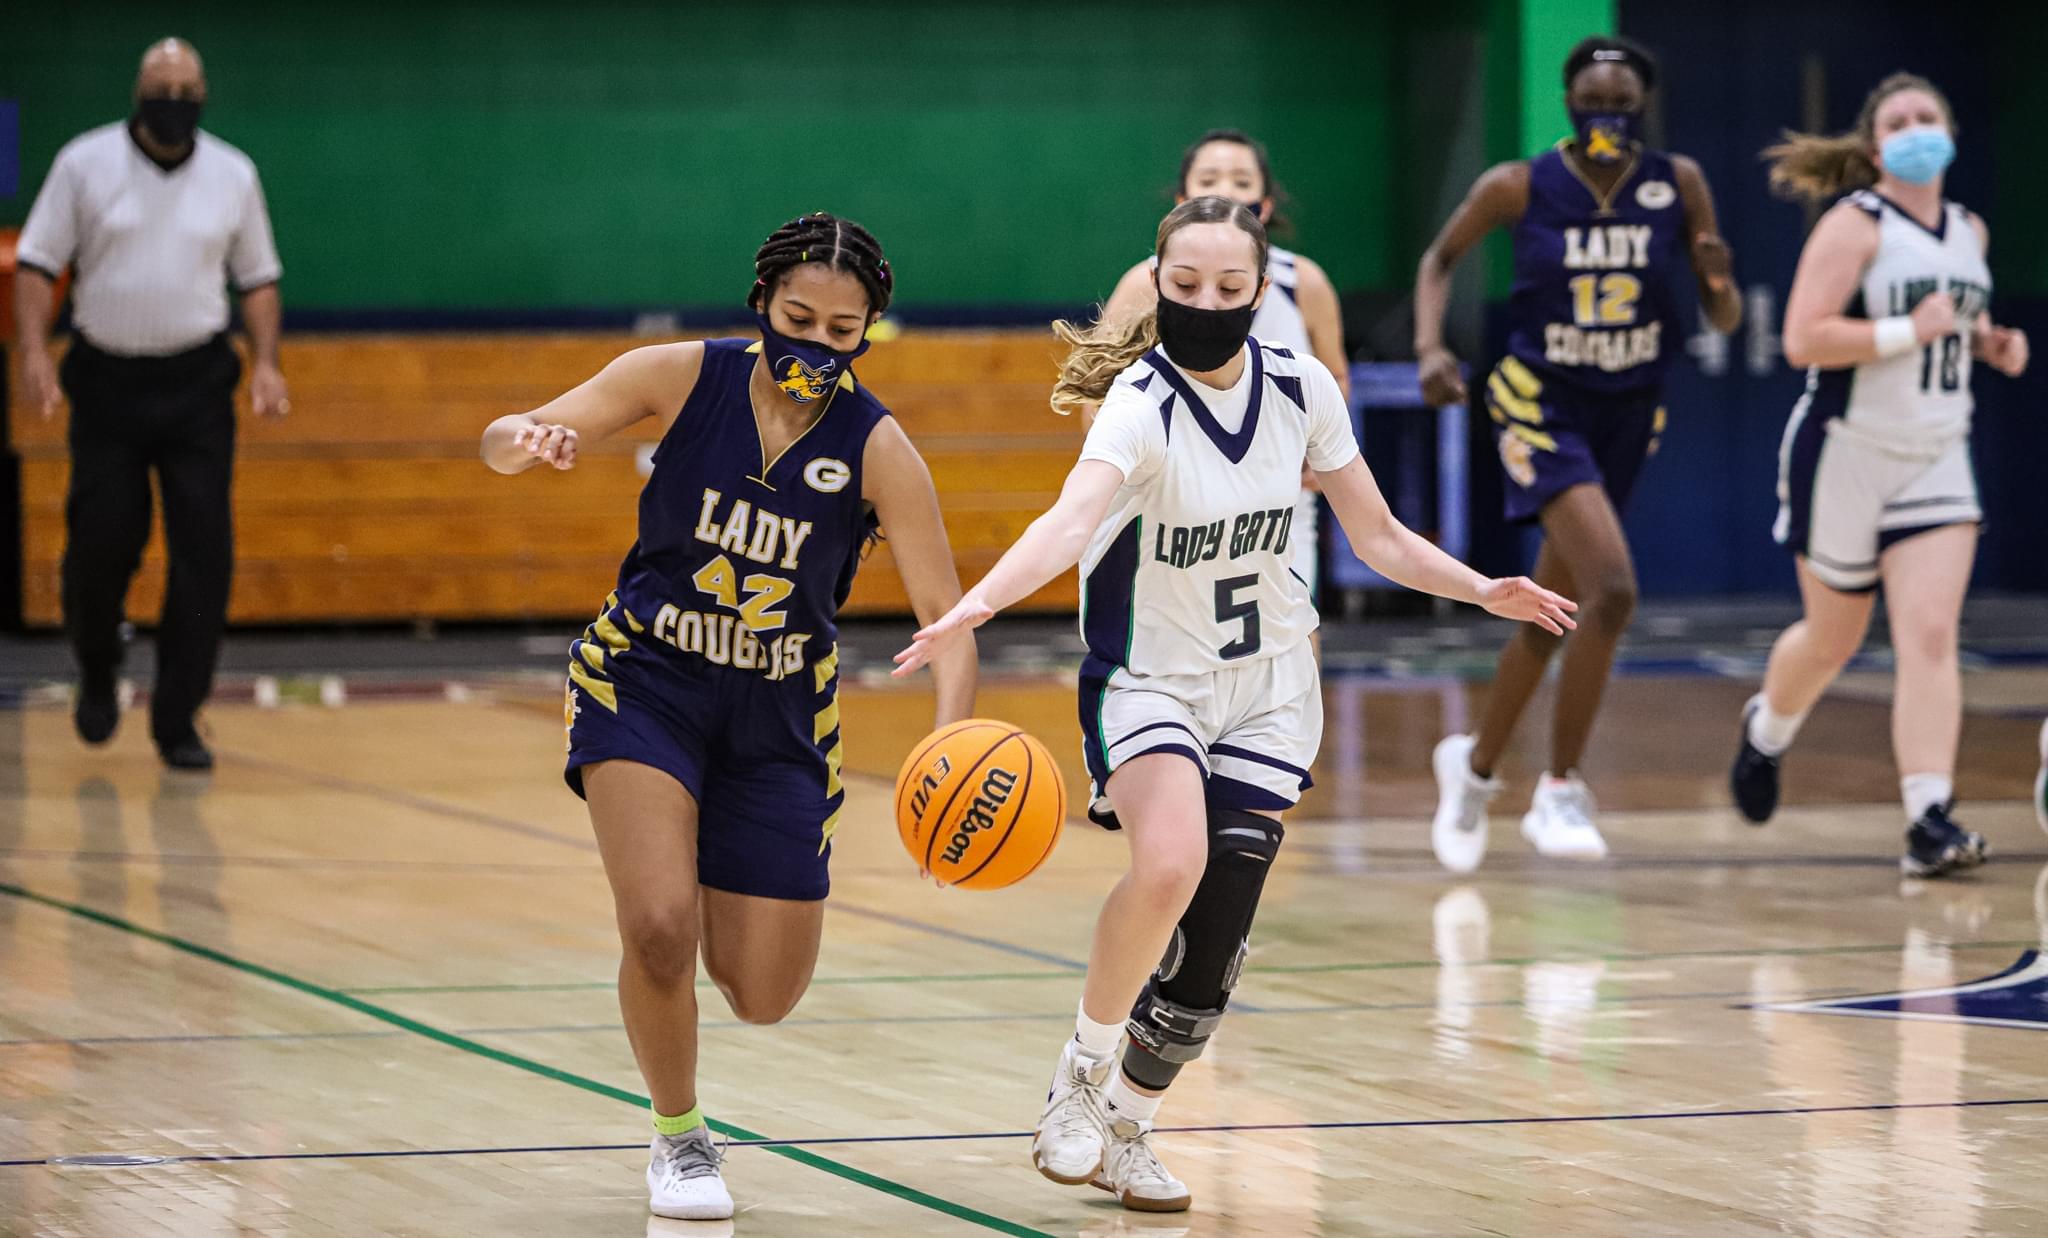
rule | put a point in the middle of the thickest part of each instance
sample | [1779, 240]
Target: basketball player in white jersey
[1200, 703]
[1889, 306]
[1300, 312]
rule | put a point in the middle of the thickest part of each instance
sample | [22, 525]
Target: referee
[158, 219]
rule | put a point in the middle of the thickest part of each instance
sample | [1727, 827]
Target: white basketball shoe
[683, 1182]
[1131, 1171]
[1559, 823]
[1458, 834]
[1072, 1132]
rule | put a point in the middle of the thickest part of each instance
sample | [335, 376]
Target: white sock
[1096, 1040]
[1924, 791]
[1125, 1101]
[1772, 733]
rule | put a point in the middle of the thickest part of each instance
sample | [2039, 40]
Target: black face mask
[169, 122]
[1201, 340]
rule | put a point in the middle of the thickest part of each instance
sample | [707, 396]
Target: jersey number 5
[763, 591]
[1228, 608]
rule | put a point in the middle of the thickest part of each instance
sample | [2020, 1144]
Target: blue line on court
[922, 926]
[1246, 1128]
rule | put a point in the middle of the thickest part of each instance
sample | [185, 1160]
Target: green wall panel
[431, 155]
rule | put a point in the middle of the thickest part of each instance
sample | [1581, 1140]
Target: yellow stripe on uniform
[600, 691]
[609, 633]
[631, 622]
[824, 668]
[1657, 425]
[1525, 382]
[831, 828]
[592, 654]
[827, 722]
[835, 759]
[1507, 401]
[1535, 438]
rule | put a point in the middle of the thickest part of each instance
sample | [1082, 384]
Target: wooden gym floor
[359, 982]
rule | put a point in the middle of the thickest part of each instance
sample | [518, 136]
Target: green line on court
[802, 1156]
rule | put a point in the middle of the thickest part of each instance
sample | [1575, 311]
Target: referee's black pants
[130, 415]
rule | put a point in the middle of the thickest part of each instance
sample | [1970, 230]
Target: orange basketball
[980, 804]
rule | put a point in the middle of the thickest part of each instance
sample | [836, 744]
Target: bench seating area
[368, 503]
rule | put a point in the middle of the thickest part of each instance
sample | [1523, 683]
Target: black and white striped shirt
[154, 250]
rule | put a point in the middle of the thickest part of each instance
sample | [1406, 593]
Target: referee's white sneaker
[683, 1181]
[1458, 834]
[1559, 823]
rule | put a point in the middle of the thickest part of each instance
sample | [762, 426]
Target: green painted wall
[518, 154]
[2019, 248]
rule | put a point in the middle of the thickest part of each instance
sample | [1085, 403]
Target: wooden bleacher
[369, 503]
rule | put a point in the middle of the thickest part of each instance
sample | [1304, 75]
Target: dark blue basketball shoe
[1753, 780]
[1937, 846]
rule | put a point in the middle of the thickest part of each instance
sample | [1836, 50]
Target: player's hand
[969, 613]
[1715, 262]
[550, 444]
[1441, 382]
[39, 381]
[1934, 317]
[2004, 349]
[267, 395]
[1518, 597]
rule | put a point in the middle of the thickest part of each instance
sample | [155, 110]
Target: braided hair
[841, 244]
[1601, 48]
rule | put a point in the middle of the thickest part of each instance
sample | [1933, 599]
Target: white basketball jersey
[1921, 397]
[1279, 319]
[1188, 572]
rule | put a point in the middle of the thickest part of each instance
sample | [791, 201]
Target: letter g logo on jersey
[826, 475]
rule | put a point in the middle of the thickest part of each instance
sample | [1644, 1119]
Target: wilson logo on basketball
[981, 814]
[921, 798]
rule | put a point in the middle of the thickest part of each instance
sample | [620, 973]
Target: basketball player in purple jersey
[1604, 230]
[702, 705]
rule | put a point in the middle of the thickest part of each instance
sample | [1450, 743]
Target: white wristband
[1895, 335]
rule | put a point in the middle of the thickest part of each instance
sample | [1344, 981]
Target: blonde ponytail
[1097, 354]
[1817, 167]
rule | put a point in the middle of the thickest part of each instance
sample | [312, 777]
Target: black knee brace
[1184, 1000]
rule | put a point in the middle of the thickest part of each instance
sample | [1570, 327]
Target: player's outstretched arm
[894, 478]
[1407, 558]
[1052, 544]
[646, 382]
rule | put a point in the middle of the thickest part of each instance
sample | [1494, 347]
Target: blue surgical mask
[805, 370]
[1604, 137]
[1918, 155]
